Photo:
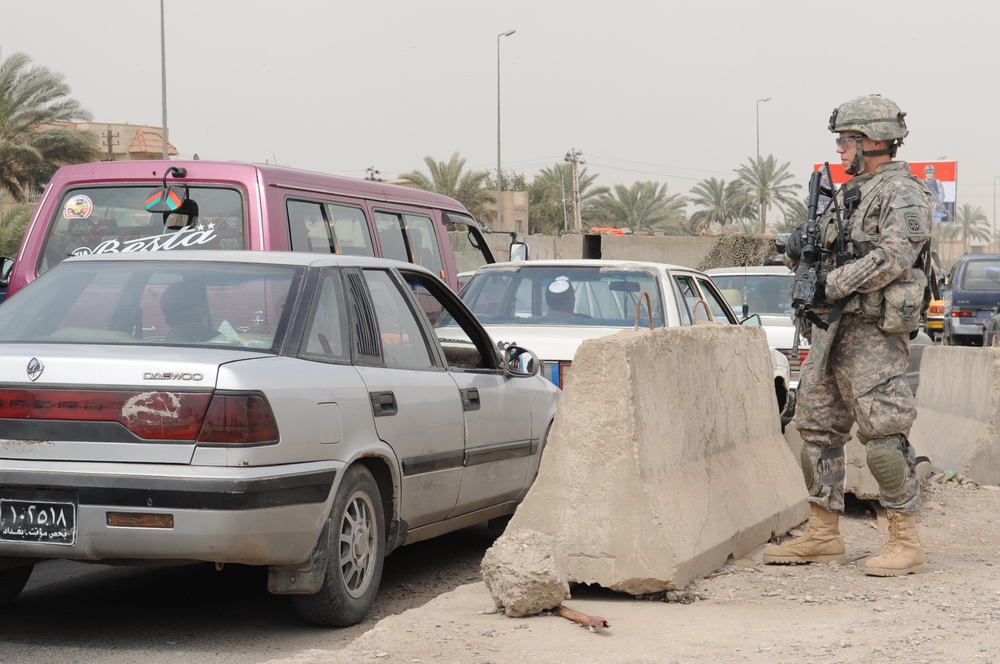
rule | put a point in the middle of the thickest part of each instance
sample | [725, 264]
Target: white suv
[765, 291]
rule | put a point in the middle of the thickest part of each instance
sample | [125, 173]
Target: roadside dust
[744, 612]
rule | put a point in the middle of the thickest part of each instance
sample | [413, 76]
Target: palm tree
[720, 202]
[770, 185]
[34, 102]
[971, 223]
[448, 178]
[550, 197]
[644, 204]
[13, 222]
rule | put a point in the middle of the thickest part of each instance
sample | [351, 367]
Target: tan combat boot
[821, 543]
[903, 553]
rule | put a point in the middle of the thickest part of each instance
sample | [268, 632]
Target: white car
[551, 306]
[765, 291]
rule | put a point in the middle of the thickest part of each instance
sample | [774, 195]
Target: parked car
[765, 291]
[934, 318]
[281, 409]
[551, 306]
[972, 293]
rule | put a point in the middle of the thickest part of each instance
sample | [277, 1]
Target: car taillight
[803, 354]
[239, 419]
[936, 309]
[148, 415]
[962, 313]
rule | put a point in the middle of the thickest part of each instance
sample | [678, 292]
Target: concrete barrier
[958, 411]
[666, 457]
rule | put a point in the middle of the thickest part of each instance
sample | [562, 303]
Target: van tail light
[962, 313]
[803, 354]
[239, 419]
[221, 419]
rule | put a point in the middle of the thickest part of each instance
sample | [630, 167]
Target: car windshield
[564, 295]
[766, 294]
[96, 220]
[153, 302]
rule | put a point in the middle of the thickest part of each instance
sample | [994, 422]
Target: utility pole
[110, 142]
[575, 158]
[562, 183]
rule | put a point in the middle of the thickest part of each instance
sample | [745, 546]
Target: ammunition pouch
[902, 303]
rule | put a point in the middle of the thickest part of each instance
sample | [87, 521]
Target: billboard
[941, 177]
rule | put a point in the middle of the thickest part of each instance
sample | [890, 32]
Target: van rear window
[97, 220]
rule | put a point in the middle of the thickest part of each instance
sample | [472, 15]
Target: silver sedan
[275, 409]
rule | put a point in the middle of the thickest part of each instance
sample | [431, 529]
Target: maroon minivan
[122, 206]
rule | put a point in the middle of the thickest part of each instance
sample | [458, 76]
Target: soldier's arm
[904, 227]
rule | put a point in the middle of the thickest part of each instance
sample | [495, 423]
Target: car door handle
[470, 398]
[383, 403]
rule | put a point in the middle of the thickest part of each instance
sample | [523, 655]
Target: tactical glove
[793, 246]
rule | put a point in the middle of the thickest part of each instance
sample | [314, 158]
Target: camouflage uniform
[856, 372]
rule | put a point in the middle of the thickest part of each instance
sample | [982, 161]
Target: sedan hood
[550, 343]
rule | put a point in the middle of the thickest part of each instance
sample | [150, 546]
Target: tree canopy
[34, 102]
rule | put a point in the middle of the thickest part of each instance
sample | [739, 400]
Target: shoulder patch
[913, 223]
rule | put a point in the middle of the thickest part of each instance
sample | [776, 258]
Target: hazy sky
[649, 90]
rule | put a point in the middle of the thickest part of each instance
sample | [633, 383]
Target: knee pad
[887, 461]
[822, 467]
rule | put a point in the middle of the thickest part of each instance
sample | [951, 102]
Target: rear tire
[357, 551]
[12, 582]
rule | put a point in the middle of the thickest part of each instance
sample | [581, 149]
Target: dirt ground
[746, 611]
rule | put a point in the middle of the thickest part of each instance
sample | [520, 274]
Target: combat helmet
[876, 117]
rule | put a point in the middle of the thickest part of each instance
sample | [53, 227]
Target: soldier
[869, 291]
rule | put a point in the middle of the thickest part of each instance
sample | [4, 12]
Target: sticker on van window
[78, 207]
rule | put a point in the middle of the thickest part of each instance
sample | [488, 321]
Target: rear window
[96, 220]
[174, 303]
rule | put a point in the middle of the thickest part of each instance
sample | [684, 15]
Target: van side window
[350, 228]
[308, 228]
[389, 227]
[423, 243]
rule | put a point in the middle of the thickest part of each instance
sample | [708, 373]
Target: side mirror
[753, 321]
[6, 264]
[519, 361]
[518, 251]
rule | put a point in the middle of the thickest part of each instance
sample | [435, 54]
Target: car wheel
[12, 582]
[357, 551]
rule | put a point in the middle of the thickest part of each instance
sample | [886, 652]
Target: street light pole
[760, 203]
[499, 174]
[163, 80]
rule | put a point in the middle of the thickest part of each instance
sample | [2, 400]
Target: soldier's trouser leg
[824, 423]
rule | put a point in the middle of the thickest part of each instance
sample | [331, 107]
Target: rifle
[806, 277]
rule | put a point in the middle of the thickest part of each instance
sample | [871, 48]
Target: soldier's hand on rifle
[793, 246]
[820, 296]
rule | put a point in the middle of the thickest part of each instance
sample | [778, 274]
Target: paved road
[95, 614]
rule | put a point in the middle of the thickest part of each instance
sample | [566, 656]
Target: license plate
[47, 522]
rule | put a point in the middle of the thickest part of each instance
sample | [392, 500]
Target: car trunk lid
[76, 403]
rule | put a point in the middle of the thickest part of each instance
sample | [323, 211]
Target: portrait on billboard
[940, 177]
